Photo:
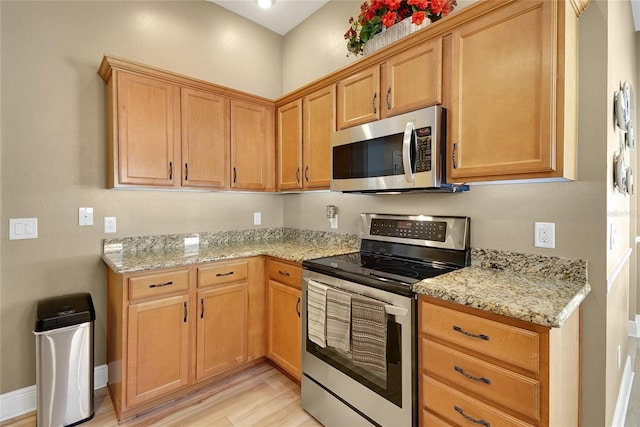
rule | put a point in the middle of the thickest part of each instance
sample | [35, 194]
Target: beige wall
[54, 150]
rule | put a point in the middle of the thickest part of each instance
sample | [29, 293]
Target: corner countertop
[537, 289]
[137, 254]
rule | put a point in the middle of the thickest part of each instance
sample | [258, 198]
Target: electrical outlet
[544, 235]
[109, 224]
[257, 218]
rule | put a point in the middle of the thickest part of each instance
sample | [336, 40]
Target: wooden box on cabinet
[284, 311]
[474, 365]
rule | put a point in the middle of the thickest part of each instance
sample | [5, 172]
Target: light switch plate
[23, 228]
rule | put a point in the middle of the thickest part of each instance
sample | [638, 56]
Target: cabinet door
[358, 99]
[148, 131]
[284, 339]
[502, 100]
[221, 329]
[290, 146]
[412, 79]
[157, 348]
[252, 146]
[205, 140]
[319, 122]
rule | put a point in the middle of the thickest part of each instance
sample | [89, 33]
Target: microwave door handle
[406, 152]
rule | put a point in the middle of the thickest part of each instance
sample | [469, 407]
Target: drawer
[158, 284]
[470, 374]
[510, 344]
[462, 409]
[285, 273]
[430, 420]
[224, 272]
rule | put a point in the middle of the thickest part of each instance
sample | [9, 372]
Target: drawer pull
[471, 377]
[469, 334]
[224, 274]
[467, 417]
[160, 285]
[284, 273]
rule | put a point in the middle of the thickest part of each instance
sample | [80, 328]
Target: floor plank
[259, 396]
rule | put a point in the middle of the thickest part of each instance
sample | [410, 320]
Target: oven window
[369, 159]
[386, 384]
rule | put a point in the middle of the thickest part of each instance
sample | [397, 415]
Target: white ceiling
[281, 17]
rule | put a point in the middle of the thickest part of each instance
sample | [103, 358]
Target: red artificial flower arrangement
[376, 14]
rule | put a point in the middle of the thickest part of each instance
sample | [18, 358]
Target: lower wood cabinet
[172, 331]
[481, 368]
[284, 316]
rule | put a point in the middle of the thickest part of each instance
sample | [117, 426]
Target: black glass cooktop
[376, 268]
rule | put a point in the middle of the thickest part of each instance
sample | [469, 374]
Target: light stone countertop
[130, 255]
[537, 289]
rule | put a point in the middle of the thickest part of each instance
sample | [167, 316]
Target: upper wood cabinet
[205, 140]
[304, 141]
[512, 105]
[408, 80]
[170, 131]
[319, 121]
[148, 131]
[252, 147]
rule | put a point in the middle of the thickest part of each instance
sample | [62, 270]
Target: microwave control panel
[423, 154]
[409, 229]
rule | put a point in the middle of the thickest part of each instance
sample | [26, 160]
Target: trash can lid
[66, 310]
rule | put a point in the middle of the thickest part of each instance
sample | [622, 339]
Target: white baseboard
[23, 401]
[620, 415]
[634, 327]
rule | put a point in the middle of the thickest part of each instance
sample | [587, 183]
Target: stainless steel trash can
[64, 360]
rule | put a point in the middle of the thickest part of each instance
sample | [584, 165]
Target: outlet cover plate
[544, 235]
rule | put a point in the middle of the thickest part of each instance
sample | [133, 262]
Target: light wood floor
[259, 396]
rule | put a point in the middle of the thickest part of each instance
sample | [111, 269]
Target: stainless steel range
[359, 344]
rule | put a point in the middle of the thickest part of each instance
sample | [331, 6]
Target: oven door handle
[406, 151]
[396, 311]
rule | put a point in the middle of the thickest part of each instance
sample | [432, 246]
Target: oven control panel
[435, 231]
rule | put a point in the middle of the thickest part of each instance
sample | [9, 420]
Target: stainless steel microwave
[397, 154]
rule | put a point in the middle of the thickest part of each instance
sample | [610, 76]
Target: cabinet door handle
[224, 274]
[160, 285]
[284, 273]
[306, 173]
[202, 305]
[471, 377]
[373, 103]
[468, 418]
[185, 312]
[186, 172]
[388, 101]
[453, 156]
[170, 171]
[298, 307]
[469, 334]
[298, 175]
[235, 175]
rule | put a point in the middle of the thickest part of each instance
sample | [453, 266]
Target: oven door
[383, 398]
